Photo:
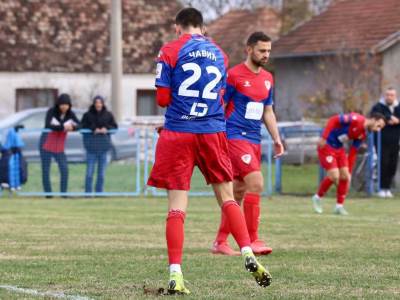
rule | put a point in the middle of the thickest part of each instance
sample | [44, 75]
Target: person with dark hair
[333, 158]
[389, 106]
[97, 142]
[249, 99]
[190, 79]
[60, 120]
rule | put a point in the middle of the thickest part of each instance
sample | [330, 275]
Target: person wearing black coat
[60, 120]
[389, 106]
[97, 142]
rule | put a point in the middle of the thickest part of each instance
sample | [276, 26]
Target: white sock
[175, 268]
[317, 197]
[339, 205]
[246, 250]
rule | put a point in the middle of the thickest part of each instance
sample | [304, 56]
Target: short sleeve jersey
[246, 95]
[350, 127]
[194, 68]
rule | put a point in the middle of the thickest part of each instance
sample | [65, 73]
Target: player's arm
[165, 64]
[353, 154]
[270, 122]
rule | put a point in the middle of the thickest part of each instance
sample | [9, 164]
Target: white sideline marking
[59, 295]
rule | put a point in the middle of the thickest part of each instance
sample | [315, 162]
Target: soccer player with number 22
[190, 81]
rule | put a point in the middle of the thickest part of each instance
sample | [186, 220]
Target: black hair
[256, 37]
[189, 17]
[378, 116]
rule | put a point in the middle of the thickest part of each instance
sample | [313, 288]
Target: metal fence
[131, 156]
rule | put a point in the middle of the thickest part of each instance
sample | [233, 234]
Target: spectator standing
[389, 106]
[60, 119]
[97, 142]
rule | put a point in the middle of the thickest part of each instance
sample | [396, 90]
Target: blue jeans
[101, 160]
[61, 160]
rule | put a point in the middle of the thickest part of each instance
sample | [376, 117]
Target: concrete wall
[297, 79]
[81, 87]
[391, 67]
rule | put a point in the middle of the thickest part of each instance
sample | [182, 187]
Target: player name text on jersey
[203, 53]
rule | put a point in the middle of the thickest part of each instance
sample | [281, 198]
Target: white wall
[82, 87]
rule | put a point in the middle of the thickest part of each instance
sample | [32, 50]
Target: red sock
[174, 234]
[251, 208]
[324, 186]
[237, 223]
[341, 191]
[223, 230]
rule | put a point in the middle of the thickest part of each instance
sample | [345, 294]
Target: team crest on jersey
[246, 83]
[268, 84]
[329, 159]
[246, 158]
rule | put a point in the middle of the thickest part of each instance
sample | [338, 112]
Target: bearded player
[249, 100]
[333, 158]
[190, 81]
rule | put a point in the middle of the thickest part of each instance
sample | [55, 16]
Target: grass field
[110, 248]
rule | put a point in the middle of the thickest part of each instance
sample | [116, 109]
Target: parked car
[300, 141]
[32, 121]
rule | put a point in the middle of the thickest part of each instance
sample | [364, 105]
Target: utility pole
[116, 58]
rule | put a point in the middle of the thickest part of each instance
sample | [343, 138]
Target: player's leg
[214, 163]
[251, 207]
[341, 191]
[220, 245]
[328, 161]
[174, 163]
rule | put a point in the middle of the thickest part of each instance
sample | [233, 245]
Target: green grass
[110, 248]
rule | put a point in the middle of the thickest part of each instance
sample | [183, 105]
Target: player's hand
[394, 120]
[279, 149]
[159, 129]
[321, 143]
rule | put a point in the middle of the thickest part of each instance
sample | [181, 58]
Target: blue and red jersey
[344, 127]
[246, 95]
[194, 69]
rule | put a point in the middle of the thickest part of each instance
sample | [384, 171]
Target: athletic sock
[175, 268]
[251, 208]
[324, 186]
[223, 230]
[237, 223]
[341, 191]
[174, 234]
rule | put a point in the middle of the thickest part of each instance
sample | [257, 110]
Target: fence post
[269, 166]
[138, 164]
[378, 160]
[146, 161]
[278, 175]
[370, 165]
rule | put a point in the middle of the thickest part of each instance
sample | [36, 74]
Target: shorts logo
[329, 159]
[246, 158]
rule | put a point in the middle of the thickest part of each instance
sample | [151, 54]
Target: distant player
[190, 80]
[333, 157]
[249, 98]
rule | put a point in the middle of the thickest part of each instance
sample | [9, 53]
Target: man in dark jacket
[60, 119]
[389, 106]
[97, 142]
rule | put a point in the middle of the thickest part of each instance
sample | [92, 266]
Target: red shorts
[245, 157]
[331, 158]
[178, 152]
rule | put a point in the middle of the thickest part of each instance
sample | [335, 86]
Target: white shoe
[389, 194]
[340, 211]
[317, 204]
[381, 194]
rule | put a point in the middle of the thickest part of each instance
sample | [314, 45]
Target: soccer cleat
[259, 248]
[224, 249]
[340, 211]
[317, 204]
[260, 273]
[176, 284]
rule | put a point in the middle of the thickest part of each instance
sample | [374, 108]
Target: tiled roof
[73, 35]
[232, 29]
[347, 25]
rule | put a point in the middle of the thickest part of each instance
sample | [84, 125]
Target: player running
[249, 99]
[190, 80]
[333, 157]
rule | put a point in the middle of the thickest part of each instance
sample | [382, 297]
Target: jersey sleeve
[165, 64]
[345, 119]
[270, 99]
[230, 87]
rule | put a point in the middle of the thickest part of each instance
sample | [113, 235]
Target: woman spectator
[60, 119]
[97, 142]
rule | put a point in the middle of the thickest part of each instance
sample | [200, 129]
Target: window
[147, 105]
[31, 98]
